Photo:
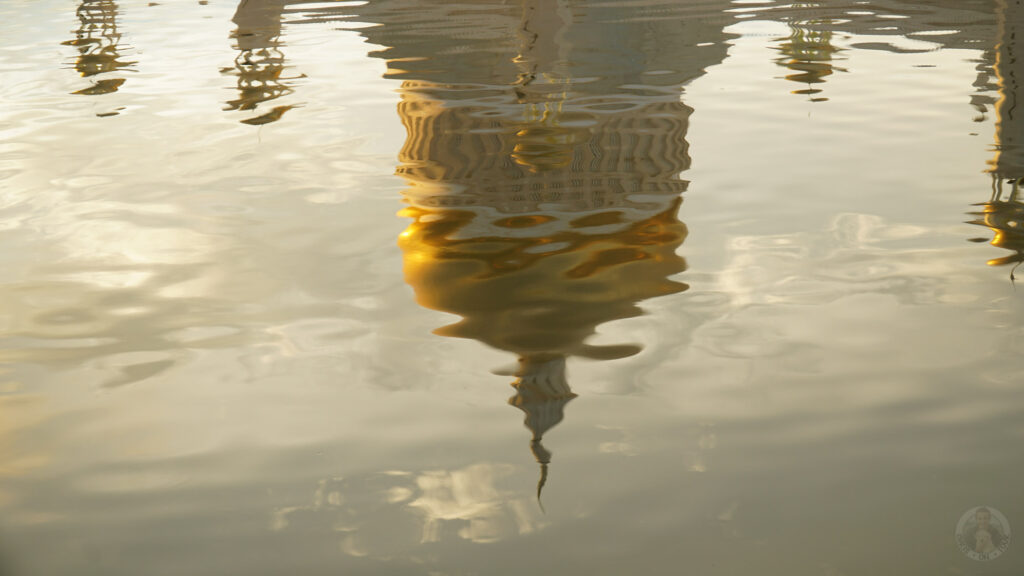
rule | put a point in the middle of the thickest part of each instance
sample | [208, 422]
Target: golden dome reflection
[544, 197]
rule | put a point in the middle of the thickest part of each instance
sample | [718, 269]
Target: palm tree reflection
[98, 42]
[546, 210]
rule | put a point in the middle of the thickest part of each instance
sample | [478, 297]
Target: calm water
[270, 268]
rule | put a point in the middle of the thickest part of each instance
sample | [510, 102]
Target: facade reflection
[887, 24]
[1003, 213]
[543, 176]
[98, 41]
[260, 62]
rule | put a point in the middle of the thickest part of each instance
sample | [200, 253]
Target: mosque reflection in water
[543, 193]
[1003, 213]
[97, 41]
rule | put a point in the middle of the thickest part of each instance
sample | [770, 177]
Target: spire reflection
[1003, 213]
[97, 40]
[544, 197]
[542, 392]
[260, 63]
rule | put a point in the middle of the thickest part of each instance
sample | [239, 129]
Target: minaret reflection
[260, 64]
[1004, 211]
[546, 204]
[808, 53]
[97, 40]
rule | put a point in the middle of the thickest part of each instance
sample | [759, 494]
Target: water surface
[270, 268]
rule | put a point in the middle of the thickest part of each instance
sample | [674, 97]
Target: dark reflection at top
[899, 26]
[965, 24]
[260, 62]
[97, 40]
[1003, 213]
[808, 53]
[543, 158]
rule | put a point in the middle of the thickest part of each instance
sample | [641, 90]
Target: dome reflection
[544, 199]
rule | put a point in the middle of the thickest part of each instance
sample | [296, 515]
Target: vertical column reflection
[260, 63]
[808, 53]
[97, 40]
[1003, 213]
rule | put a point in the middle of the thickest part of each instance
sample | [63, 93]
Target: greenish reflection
[1003, 213]
[98, 40]
[260, 62]
[544, 196]
[808, 52]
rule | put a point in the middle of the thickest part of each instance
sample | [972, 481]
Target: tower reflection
[808, 52]
[260, 63]
[544, 196]
[1003, 213]
[97, 40]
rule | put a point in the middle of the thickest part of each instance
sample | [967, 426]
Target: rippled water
[270, 268]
